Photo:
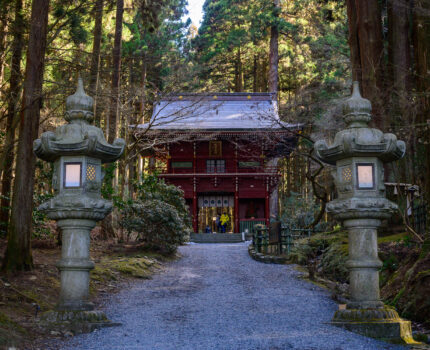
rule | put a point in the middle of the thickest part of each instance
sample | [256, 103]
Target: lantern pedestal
[77, 321]
[381, 323]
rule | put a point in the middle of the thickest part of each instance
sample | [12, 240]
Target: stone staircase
[216, 237]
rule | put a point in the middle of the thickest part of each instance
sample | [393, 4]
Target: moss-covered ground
[24, 296]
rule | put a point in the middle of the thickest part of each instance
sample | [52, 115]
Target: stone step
[216, 237]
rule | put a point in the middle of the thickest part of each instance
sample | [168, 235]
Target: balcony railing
[270, 170]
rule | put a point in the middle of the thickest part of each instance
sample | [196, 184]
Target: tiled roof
[216, 111]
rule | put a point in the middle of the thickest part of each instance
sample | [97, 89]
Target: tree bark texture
[4, 18]
[142, 102]
[107, 223]
[273, 51]
[18, 252]
[354, 47]
[421, 29]
[365, 40]
[95, 57]
[116, 72]
[238, 85]
[399, 46]
[255, 75]
[12, 120]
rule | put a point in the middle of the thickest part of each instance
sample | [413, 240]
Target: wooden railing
[247, 225]
[279, 242]
[272, 170]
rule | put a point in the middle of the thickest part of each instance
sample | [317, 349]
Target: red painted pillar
[195, 214]
[236, 207]
[195, 222]
[236, 192]
[266, 204]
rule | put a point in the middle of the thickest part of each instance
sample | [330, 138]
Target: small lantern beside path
[77, 150]
[359, 153]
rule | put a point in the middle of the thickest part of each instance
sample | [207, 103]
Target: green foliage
[158, 39]
[42, 193]
[73, 18]
[40, 221]
[158, 215]
[390, 263]
[333, 262]
[298, 212]
[328, 252]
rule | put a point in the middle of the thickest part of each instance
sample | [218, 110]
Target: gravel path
[217, 297]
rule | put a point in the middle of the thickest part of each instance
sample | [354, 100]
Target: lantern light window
[365, 176]
[72, 175]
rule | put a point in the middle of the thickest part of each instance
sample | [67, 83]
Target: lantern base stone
[380, 323]
[77, 321]
[74, 306]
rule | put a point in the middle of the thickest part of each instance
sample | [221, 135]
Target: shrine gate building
[222, 151]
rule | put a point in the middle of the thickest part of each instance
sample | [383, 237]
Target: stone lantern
[77, 150]
[359, 153]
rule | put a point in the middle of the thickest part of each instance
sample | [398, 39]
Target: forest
[130, 53]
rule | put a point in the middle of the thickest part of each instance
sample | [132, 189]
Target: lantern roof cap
[356, 109]
[357, 139]
[78, 137]
[79, 106]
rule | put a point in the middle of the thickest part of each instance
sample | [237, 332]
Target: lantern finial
[356, 109]
[79, 106]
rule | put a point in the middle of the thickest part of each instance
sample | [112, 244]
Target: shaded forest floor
[25, 296]
[404, 276]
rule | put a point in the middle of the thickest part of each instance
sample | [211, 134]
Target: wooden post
[140, 167]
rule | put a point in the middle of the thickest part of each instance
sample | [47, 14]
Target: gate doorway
[212, 206]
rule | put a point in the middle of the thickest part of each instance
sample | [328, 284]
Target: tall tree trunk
[365, 20]
[116, 72]
[255, 74]
[95, 57]
[398, 78]
[421, 28]
[238, 84]
[263, 75]
[273, 51]
[399, 46]
[142, 101]
[12, 120]
[18, 252]
[107, 223]
[137, 118]
[4, 18]
[354, 46]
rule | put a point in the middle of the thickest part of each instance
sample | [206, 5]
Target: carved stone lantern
[77, 150]
[359, 153]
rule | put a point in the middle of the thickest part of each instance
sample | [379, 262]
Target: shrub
[300, 212]
[158, 215]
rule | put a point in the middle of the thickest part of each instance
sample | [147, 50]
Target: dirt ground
[25, 296]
